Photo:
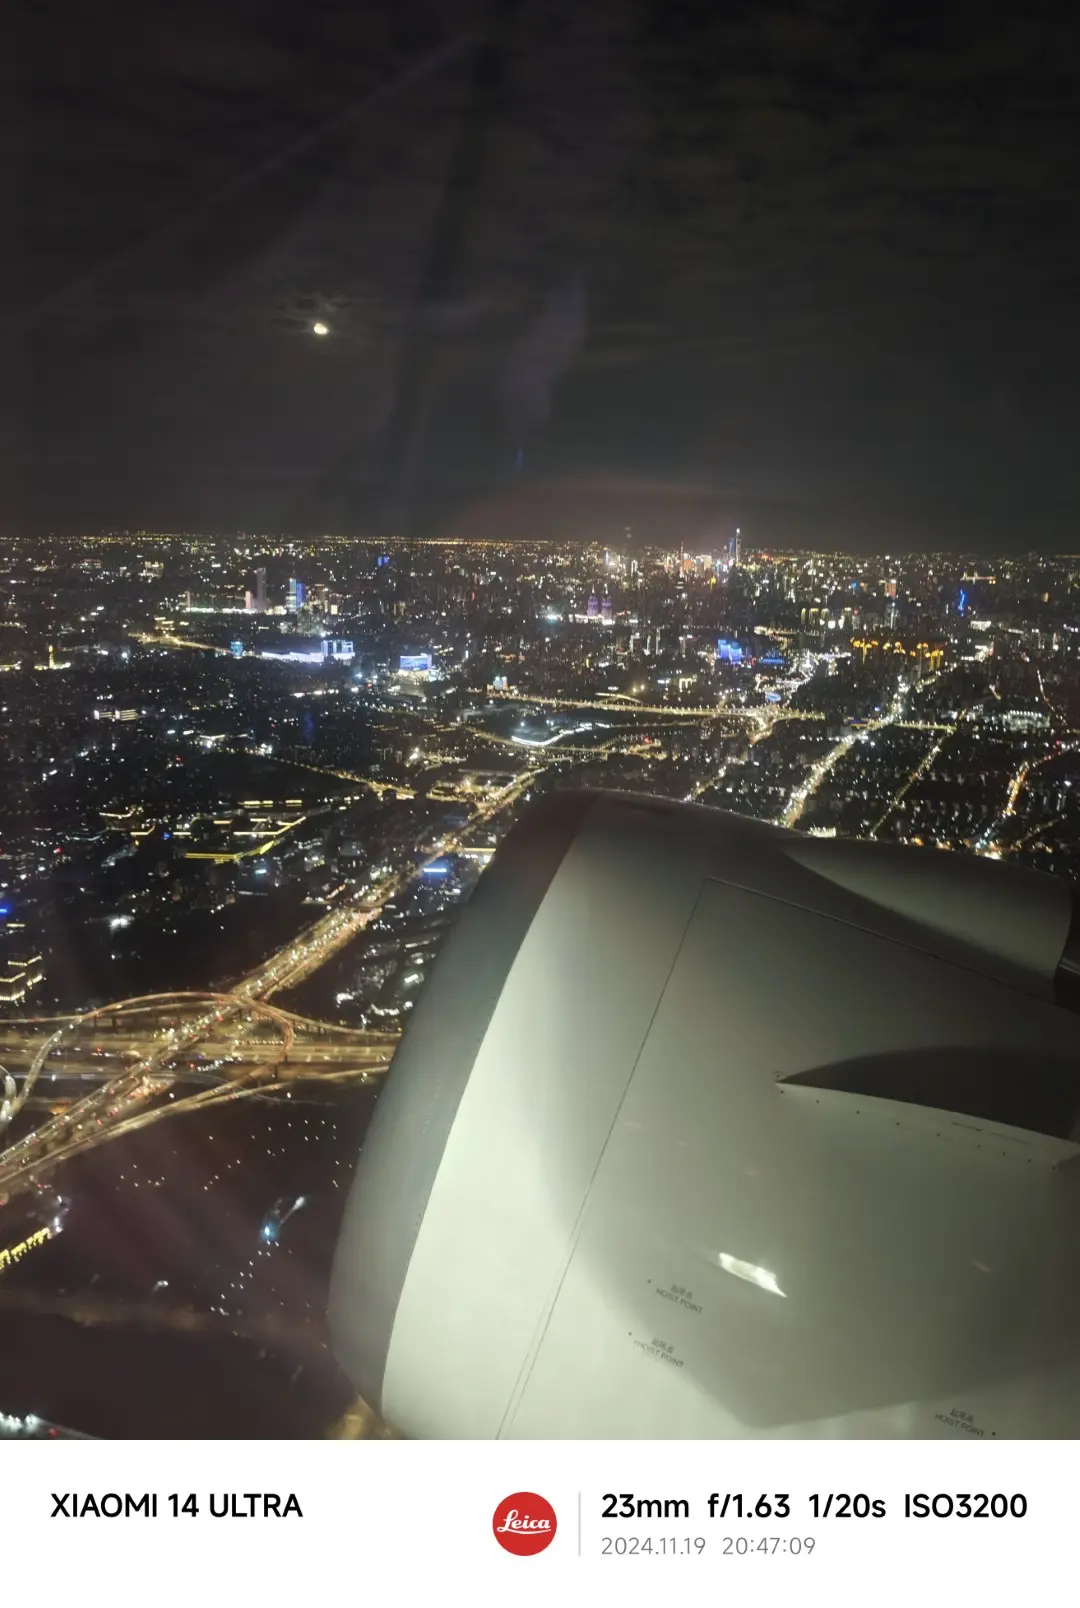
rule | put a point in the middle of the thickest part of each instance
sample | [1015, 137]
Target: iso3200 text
[964, 1505]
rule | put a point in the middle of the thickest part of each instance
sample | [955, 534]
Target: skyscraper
[260, 591]
[296, 595]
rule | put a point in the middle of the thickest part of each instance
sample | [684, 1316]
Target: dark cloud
[818, 261]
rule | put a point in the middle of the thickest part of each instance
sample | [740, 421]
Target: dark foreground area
[118, 1382]
[185, 1294]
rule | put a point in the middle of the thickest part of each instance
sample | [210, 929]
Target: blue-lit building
[309, 650]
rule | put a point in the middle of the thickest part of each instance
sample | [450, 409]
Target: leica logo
[513, 1522]
[524, 1523]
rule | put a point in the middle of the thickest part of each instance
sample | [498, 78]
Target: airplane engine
[703, 1128]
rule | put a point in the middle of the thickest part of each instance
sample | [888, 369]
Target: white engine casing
[706, 1129]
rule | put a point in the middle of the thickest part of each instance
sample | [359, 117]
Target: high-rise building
[592, 608]
[260, 591]
[607, 610]
[21, 969]
[295, 599]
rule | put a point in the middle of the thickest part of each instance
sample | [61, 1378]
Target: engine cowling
[703, 1128]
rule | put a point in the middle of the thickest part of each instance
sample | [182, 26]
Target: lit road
[1057, 712]
[313, 948]
[167, 640]
[806, 789]
[629, 706]
[990, 844]
[80, 1059]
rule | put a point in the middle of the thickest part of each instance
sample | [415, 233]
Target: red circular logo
[524, 1523]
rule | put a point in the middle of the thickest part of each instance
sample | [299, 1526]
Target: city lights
[293, 802]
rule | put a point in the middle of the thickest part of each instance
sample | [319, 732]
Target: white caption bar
[284, 1520]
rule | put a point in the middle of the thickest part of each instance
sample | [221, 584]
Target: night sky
[811, 269]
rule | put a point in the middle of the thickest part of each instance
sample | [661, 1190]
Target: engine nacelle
[706, 1129]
